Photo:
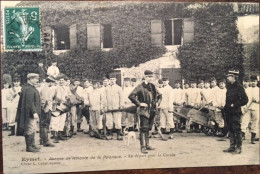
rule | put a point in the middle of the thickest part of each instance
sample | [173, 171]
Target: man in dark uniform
[235, 98]
[41, 70]
[29, 109]
[146, 97]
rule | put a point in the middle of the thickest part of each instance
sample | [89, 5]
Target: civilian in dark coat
[145, 96]
[29, 109]
[42, 71]
[235, 98]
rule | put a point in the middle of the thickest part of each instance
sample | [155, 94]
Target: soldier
[85, 110]
[41, 70]
[245, 115]
[178, 100]
[127, 118]
[254, 108]
[46, 108]
[235, 98]
[61, 98]
[95, 102]
[6, 101]
[192, 101]
[29, 109]
[114, 100]
[157, 119]
[219, 103]
[166, 106]
[53, 70]
[146, 97]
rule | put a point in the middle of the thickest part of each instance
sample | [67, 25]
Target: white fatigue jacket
[6, 97]
[192, 96]
[94, 99]
[84, 93]
[61, 92]
[114, 97]
[178, 96]
[206, 95]
[253, 93]
[53, 71]
[220, 98]
[167, 97]
[46, 95]
[126, 92]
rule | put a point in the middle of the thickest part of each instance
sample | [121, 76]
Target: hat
[40, 61]
[165, 79]
[32, 75]
[177, 81]
[222, 81]
[50, 79]
[233, 73]
[75, 79]
[112, 76]
[95, 81]
[201, 81]
[192, 81]
[16, 79]
[148, 73]
[246, 79]
[160, 81]
[127, 79]
[61, 76]
[253, 78]
[212, 79]
[133, 79]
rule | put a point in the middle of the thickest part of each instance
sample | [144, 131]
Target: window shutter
[73, 36]
[156, 32]
[93, 33]
[188, 30]
[46, 38]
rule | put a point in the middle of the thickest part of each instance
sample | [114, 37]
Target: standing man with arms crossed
[29, 109]
[235, 98]
[146, 97]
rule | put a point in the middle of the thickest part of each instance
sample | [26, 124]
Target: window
[177, 32]
[173, 32]
[97, 33]
[61, 38]
[107, 36]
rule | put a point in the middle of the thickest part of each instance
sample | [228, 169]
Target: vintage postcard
[95, 86]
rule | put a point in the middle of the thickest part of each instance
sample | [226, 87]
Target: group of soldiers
[65, 106]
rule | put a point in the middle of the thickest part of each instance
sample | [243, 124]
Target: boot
[5, 127]
[60, 136]
[45, 140]
[253, 138]
[163, 130]
[12, 131]
[110, 135]
[243, 136]
[171, 133]
[147, 142]
[89, 130]
[179, 128]
[41, 136]
[56, 139]
[142, 141]
[122, 131]
[238, 143]
[232, 143]
[28, 142]
[118, 135]
[78, 127]
[53, 135]
[33, 142]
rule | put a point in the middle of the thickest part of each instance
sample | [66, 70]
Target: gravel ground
[83, 153]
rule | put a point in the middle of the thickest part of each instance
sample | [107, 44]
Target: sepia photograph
[121, 85]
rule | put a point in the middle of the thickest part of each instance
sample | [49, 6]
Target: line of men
[90, 102]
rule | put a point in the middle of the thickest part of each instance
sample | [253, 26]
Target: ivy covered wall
[215, 48]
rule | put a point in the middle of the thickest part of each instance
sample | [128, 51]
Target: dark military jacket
[235, 95]
[146, 93]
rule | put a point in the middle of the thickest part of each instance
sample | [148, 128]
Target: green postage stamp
[22, 28]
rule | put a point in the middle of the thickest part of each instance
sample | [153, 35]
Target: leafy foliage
[215, 48]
